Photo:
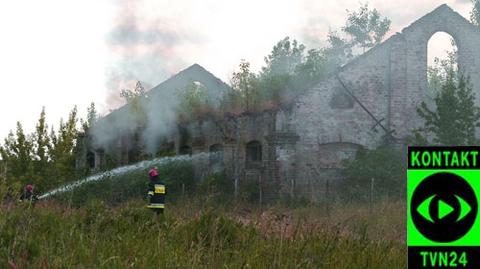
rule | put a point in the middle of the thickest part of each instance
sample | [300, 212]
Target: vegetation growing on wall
[194, 102]
[290, 68]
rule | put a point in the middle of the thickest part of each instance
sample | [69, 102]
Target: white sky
[59, 53]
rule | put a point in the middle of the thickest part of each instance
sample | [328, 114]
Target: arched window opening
[254, 151]
[91, 160]
[216, 156]
[165, 149]
[185, 150]
[99, 159]
[133, 155]
[442, 60]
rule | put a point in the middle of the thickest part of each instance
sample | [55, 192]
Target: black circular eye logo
[443, 207]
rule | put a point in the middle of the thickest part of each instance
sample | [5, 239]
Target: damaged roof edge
[442, 8]
[399, 36]
[191, 70]
[396, 36]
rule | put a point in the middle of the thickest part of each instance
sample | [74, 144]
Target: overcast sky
[59, 53]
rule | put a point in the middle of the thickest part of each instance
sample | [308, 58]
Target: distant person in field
[28, 195]
[156, 192]
[10, 195]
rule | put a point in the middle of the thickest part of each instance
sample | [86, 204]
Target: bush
[178, 176]
[114, 189]
[216, 183]
[250, 190]
[385, 165]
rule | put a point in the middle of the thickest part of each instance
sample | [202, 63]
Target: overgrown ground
[202, 233]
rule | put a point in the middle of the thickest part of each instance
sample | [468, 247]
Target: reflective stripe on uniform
[156, 205]
[159, 189]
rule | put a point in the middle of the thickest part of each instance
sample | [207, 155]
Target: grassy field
[197, 233]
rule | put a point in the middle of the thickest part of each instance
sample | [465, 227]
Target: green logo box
[443, 190]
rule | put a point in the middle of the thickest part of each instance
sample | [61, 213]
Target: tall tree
[453, 119]
[276, 80]
[194, 100]
[244, 83]
[62, 148]
[41, 139]
[8, 156]
[70, 132]
[283, 59]
[366, 27]
[443, 69]
[23, 151]
[53, 142]
[92, 114]
[40, 147]
[475, 13]
[132, 95]
[17, 153]
[92, 117]
[318, 64]
[338, 51]
[137, 100]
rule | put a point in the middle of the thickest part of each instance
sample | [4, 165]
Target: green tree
[276, 81]
[17, 153]
[133, 95]
[318, 64]
[69, 133]
[337, 52]
[23, 149]
[231, 102]
[92, 117]
[284, 58]
[313, 69]
[289, 72]
[274, 89]
[43, 158]
[194, 101]
[443, 69]
[8, 157]
[40, 147]
[475, 13]
[137, 100]
[53, 141]
[366, 27]
[453, 119]
[62, 149]
[244, 84]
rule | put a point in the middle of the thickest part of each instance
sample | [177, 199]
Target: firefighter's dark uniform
[156, 192]
[28, 196]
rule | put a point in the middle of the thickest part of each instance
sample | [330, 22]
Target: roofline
[195, 65]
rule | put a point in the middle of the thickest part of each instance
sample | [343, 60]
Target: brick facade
[303, 143]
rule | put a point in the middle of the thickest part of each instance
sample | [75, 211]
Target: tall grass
[195, 234]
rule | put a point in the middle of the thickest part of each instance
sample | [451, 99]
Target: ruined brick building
[300, 146]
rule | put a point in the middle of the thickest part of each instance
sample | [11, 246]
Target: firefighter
[28, 195]
[156, 192]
